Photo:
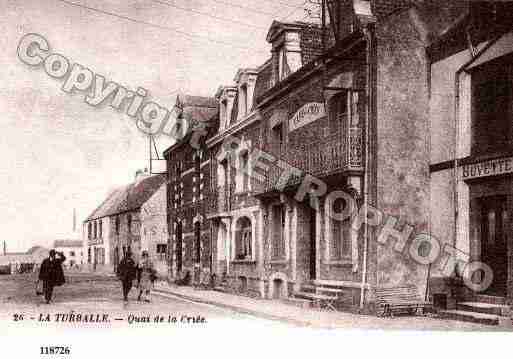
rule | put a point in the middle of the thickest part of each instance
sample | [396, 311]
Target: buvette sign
[487, 168]
[308, 113]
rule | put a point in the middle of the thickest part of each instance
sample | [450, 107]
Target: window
[72, 253]
[243, 178]
[337, 107]
[278, 232]
[243, 239]
[222, 174]
[244, 100]
[89, 255]
[161, 251]
[100, 228]
[283, 67]
[197, 244]
[95, 229]
[178, 171]
[245, 171]
[223, 113]
[89, 230]
[117, 224]
[340, 235]
[161, 248]
[492, 96]
[129, 222]
[277, 139]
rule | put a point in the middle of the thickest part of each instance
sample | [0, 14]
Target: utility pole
[151, 154]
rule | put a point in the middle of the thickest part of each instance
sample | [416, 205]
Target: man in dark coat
[51, 274]
[127, 272]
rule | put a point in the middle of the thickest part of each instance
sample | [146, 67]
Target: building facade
[114, 227]
[471, 108]
[73, 250]
[319, 138]
[188, 188]
[154, 233]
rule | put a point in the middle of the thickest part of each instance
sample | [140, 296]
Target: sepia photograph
[317, 173]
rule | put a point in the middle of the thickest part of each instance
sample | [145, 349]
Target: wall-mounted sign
[308, 113]
[487, 168]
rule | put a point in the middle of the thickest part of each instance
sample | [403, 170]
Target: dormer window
[287, 53]
[225, 96]
[224, 112]
[244, 99]
[245, 80]
[283, 68]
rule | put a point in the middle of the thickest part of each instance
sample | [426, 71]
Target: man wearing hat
[127, 272]
[51, 273]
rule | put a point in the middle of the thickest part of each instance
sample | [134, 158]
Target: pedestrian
[51, 273]
[126, 273]
[146, 277]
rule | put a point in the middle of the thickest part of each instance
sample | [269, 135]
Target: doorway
[494, 241]
[179, 246]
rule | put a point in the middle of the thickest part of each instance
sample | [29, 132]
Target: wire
[283, 3]
[208, 15]
[178, 31]
[244, 7]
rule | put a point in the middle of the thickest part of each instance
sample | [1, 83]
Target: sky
[60, 153]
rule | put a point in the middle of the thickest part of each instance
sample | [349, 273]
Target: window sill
[243, 193]
[339, 263]
[279, 261]
[243, 261]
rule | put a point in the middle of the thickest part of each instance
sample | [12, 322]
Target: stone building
[470, 114]
[188, 188]
[311, 134]
[115, 226]
[154, 232]
[73, 250]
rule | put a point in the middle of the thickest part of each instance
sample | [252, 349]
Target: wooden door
[494, 239]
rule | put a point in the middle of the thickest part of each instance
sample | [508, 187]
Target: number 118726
[55, 351]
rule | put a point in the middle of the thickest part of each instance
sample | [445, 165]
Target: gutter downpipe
[370, 43]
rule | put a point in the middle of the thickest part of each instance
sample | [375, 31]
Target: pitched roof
[34, 249]
[67, 243]
[128, 198]
[196, 109]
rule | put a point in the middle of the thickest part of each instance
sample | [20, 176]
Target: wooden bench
[322, 300]
[404, 299]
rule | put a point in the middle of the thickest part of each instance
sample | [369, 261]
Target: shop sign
[487, 168]
[308, 113]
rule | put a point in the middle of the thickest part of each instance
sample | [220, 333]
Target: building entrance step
[485, 308]
[472, 317]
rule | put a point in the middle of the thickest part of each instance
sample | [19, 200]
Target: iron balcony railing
[333, 154]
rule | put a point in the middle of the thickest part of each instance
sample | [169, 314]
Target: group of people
[144, 273]
[51, 275]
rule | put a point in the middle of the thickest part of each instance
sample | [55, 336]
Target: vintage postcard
[205, 174]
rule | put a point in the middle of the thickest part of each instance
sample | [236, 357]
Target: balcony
[334, 154]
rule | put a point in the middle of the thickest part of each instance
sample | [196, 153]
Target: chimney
[74, 220]
[4, 251]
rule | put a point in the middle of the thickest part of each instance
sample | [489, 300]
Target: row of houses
[405, 106]
[22, 262]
